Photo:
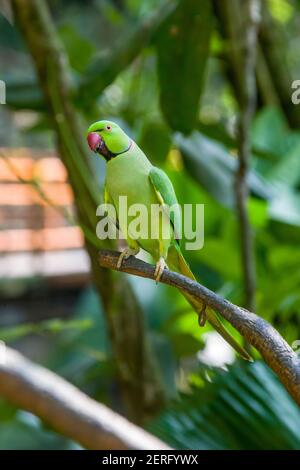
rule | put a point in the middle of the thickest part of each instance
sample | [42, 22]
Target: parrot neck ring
[110, 155]
[97, 145]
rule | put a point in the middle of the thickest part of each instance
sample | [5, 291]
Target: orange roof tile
[42, 239]
[46, 169]
[21, 222]
[16, 194]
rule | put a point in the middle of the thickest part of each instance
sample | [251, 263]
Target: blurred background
[170, 73]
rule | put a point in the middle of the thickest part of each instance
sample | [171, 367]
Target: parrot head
[107, 139]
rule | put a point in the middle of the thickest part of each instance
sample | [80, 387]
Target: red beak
[94, 141]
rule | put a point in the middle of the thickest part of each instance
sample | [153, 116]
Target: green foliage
[27, 433]
[155, 141]
[106, 66]
[54, 325]
[182, 49]
[211, 164]
[79, 49]
[144, 64]
[243, 408]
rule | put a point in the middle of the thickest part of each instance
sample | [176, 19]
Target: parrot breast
[128, 175]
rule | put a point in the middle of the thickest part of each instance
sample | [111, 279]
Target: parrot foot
[125, 254]
[160, 266]
[202, 316]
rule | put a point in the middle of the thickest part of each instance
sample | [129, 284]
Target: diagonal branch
[258, 332]
[65, 408]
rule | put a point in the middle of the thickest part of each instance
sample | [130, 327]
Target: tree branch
[67, 409]
[247, 109]
[258, 332]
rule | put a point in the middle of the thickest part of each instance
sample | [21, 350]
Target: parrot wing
[166, 196]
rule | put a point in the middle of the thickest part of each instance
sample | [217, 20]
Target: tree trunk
[140, 386]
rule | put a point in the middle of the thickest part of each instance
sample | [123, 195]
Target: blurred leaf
[183, 47]
[23, 93]
[107, 65]
[271, 134]
[9, 35]
[22, 435]
[284, 257]
[210, 163]
[83, 356]
[183, 332]
[57, 325]
[7, 411]
[282, 304]
[281, 10]
[287, 170]
[258, 212]
[285, 207]
[54, 325]
[112, 12]
[166, 361]
[223, 257]
[269, 130]
[217, 132]
[79, 49]
[155, 141]
[185, 344]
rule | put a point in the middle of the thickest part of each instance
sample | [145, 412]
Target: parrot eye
[108, 128]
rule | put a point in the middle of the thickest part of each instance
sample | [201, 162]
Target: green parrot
[130, 173]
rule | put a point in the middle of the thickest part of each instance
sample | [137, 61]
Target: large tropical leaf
[211, 165]
[285, 207]
[183, 47]
[244, 408]
[106, 65]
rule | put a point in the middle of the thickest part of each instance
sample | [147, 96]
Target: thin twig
[68, 410]
[258, 332]
[247, 109]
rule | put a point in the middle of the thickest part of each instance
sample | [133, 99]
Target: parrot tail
[177, 262]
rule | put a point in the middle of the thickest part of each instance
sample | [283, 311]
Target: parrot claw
[125, 254]
[202, 316]
[160, 266]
